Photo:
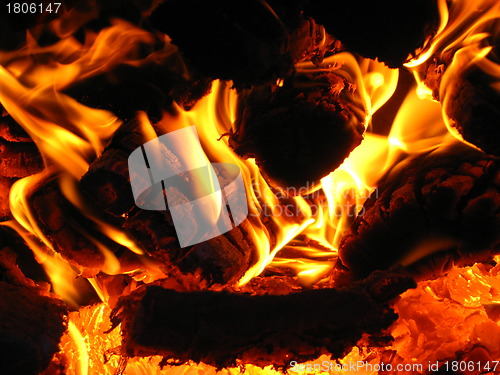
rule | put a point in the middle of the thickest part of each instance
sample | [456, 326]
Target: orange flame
[70, 136]
[464, 27]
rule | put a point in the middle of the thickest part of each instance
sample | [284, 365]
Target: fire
[463, 43]
[291, 230]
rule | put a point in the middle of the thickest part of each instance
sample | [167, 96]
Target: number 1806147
[33, 8]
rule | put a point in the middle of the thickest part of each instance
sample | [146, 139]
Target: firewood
[5, 185]
[11, 131]
[19, 159]
[224, 329]
[389, 31]
[302, 131]
[9, 270]
[248, 42]
[470, 100]
[72, 234]
[32, 320]
[438, 209]
[31, 326]
[221, 259]
[151, 87]
[17, 262]
[107, 182]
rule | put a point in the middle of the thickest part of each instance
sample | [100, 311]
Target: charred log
[438, 209]
[302, 131]
[473, 110]
[107, 182]
[32, 320]
[32, 323]
[5, 185]
[72, 234]
[220, 260]
[11, 131]
[389, 31]
[17, 263]
[151, 87]
[470, 99]
[19, 159]
[224, 329]
[248, 42]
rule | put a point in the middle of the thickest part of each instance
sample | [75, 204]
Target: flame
[68, 134]
[311, 223]
[418, 126]
[60, 125]
[463, 32]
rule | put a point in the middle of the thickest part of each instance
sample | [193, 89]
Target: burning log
[439, 208]
[220, 260]
[469, 96]
[73, 235]
[151, 87]
[107, 182]
[11, 131]
[32, 325]
[302, 131]
[248, 42]
[389, 31]
[5, 185]
[224, 329]
[19, 156]
[223, 259]
[19, 159]
[32, 320]
[17, 263]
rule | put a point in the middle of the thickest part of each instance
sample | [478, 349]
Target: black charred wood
[5, 185]
[152, 88]
[471, 103]
[438, 209]
[302, 131]
[243, 41]
[225, 329]
[32, 320]
[11, 131]
[469, 97]
[389, 31]
[107, 182]
[19, 159]
[248, 42]
[17, 262]
[220, 260]
[72, 234]
[30, 329]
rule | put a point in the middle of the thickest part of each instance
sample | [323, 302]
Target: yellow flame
[81, 349]
[68, 134]
[214, 116]
[418, 126]
[432, 44]
[464, 26]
